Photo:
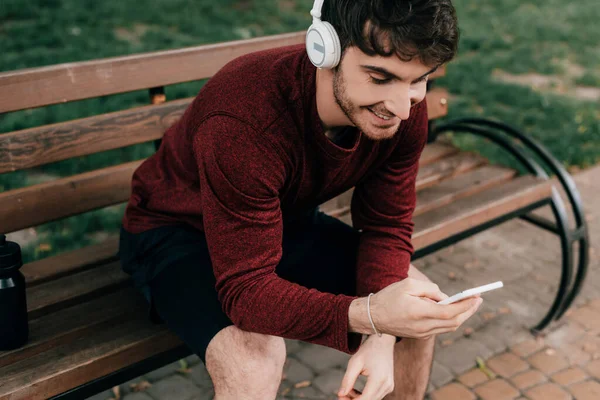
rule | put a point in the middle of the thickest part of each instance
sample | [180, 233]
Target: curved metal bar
[572, 193]
[562, 222]
[558, 209]
[532, 166]
[563, 176]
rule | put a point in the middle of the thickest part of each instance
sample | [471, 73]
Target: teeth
[381, 116]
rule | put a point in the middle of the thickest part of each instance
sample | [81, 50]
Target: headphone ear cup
[337, 48]
[323, 45]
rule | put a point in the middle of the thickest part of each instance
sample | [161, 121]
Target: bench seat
[86, 321]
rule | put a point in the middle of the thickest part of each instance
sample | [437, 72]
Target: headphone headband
[316, 10]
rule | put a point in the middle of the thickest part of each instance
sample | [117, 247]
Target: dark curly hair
[427, 29]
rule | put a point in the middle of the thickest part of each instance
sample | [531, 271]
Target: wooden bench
[88, 326]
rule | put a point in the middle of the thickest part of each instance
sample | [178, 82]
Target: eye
[379, 81]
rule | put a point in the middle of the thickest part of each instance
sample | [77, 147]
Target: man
[222, 232]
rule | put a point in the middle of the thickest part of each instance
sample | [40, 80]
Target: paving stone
[575, 356]
[507, 329]
[565, 334]
[329, 381]
[548, 391]
[595, 304]
[496, 389]
[528, 347]
[199, 375]
[549, 361]
[452, 391]
[490, 339]
[473, 378]
[126, 387]
[204, 394]
[321, 358]
[173, 387]
[361, 382]
[594, 368]
[570, 376]
[507, 364]
[163, 372]
[472, 324]
[137, 396]
[292, 346]
[107, 394]
[309, 392]
[528, 379]
[193, 360]
[430, 389]
[589, 343]
[285, 387]
[296, 372]
[588, 390]
[440, 375]
[461, 355]
[588, 317]
[520, 333]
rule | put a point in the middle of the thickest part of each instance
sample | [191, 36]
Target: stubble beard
[347, 106]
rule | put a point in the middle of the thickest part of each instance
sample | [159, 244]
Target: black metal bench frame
[504, 135]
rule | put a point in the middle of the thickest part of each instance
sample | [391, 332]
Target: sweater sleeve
[382, 206]
[241, 174]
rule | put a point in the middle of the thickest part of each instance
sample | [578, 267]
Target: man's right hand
[409, 309]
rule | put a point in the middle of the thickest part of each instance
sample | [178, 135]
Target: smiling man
[223, 234]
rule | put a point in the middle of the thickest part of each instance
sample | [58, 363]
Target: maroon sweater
[248, 153]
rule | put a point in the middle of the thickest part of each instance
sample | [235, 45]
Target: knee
[236, 358]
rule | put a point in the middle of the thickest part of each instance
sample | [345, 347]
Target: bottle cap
[10, 255]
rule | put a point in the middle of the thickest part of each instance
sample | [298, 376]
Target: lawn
[533, 64]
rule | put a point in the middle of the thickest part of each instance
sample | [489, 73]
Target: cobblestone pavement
[563, 364]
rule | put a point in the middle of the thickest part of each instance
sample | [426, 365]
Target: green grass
[499, 38]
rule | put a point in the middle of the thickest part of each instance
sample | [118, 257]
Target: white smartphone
[471, 292]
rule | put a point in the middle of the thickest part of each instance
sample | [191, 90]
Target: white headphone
[322, 42]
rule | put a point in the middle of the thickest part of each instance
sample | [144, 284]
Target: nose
[400, 102]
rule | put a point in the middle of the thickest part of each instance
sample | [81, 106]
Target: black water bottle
[14, 330]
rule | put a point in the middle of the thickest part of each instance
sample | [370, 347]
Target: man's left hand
[375, 360]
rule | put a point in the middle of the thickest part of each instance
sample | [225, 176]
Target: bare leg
[412, 362]
[245, 365]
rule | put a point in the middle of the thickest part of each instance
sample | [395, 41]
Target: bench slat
[62, 83]
[431, 174]
[461, 186]
[50, 143]
[454, 186]
[38, 146]
[436, 151]
[437, 162]
[70, 262]
[35, 87]
[34, 205]
[89, 357]
[65, 325]
[51, 296]
[471, 211]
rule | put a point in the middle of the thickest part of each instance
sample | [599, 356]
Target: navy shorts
[172, 267]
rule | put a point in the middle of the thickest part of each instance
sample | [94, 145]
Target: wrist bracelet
[369, 314]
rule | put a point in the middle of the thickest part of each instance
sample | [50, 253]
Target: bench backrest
[34, 147]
